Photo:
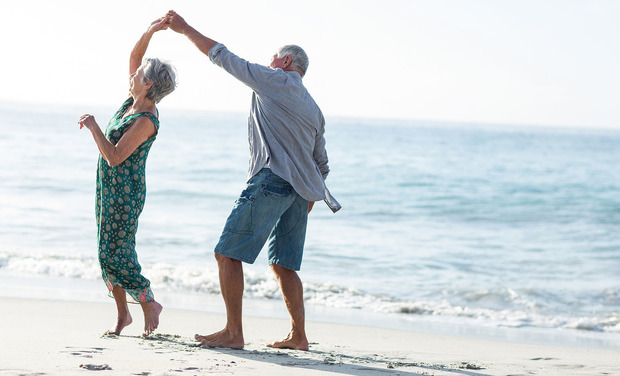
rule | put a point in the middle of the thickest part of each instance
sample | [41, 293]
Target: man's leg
[231, 285]
[293, 293]
[256, 212]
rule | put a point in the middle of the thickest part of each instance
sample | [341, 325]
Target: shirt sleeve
[253, 75]
[320, 152]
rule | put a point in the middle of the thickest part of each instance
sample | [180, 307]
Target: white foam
[189, 279]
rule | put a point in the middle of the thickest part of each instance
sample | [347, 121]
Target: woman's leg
[123, 317]
[151, 311]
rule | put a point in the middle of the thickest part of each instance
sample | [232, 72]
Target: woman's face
[136, 86]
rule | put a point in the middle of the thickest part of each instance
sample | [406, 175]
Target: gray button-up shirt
[286, 127]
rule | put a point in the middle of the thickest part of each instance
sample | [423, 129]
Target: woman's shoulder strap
[153, 118]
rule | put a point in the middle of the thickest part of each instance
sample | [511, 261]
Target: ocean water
[490, 230]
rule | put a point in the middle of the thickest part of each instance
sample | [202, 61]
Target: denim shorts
[268, 209]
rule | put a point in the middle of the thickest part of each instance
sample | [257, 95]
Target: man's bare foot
[222, 338]
[120, 324]
[292, 341]
[151, 316]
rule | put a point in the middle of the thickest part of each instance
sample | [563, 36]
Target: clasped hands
[171, 20]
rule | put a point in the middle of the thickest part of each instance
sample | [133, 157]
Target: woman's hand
[88, 121]
[141, 130]
[161, 23]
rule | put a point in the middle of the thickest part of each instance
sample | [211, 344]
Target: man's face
[277, 62]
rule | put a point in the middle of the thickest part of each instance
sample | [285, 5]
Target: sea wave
[191, 279]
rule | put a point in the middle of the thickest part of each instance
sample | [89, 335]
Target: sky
[529, 62]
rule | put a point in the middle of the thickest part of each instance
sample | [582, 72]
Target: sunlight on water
[513, 227]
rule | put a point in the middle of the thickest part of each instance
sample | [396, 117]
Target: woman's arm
[140, 131]
[135, 59]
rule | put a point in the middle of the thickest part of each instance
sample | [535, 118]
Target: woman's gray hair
[299, 58]
[163, 76]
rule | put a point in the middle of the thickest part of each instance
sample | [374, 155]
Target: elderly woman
[121, 188]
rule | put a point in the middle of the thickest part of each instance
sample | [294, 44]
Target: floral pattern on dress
[120, 197]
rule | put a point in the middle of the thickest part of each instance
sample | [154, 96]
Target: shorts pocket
[276, 189]
[240, 219]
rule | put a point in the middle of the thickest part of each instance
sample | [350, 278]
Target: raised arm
[135, 58]
[178, 24]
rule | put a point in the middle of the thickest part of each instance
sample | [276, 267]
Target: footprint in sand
[84, 353]
[96, 367]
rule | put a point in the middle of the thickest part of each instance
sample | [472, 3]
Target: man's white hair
[299, 58]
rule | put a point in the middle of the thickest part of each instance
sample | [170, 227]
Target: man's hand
[310, 205]
[175, 22]
[178, 24]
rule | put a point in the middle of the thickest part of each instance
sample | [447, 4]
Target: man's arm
[319, 153]
[255, 76]
[178, 24]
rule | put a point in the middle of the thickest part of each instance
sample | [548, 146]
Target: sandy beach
[47, 337]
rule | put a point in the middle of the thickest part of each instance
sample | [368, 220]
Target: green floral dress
[120, 196]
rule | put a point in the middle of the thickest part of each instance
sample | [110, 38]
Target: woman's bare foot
[151, 316]
[123, 317]
[292, 341]
[222, 338]
[121, 323]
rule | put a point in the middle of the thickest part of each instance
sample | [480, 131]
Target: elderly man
[288, 166]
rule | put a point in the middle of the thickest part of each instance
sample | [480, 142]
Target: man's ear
[287, 61]
[148, 85]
